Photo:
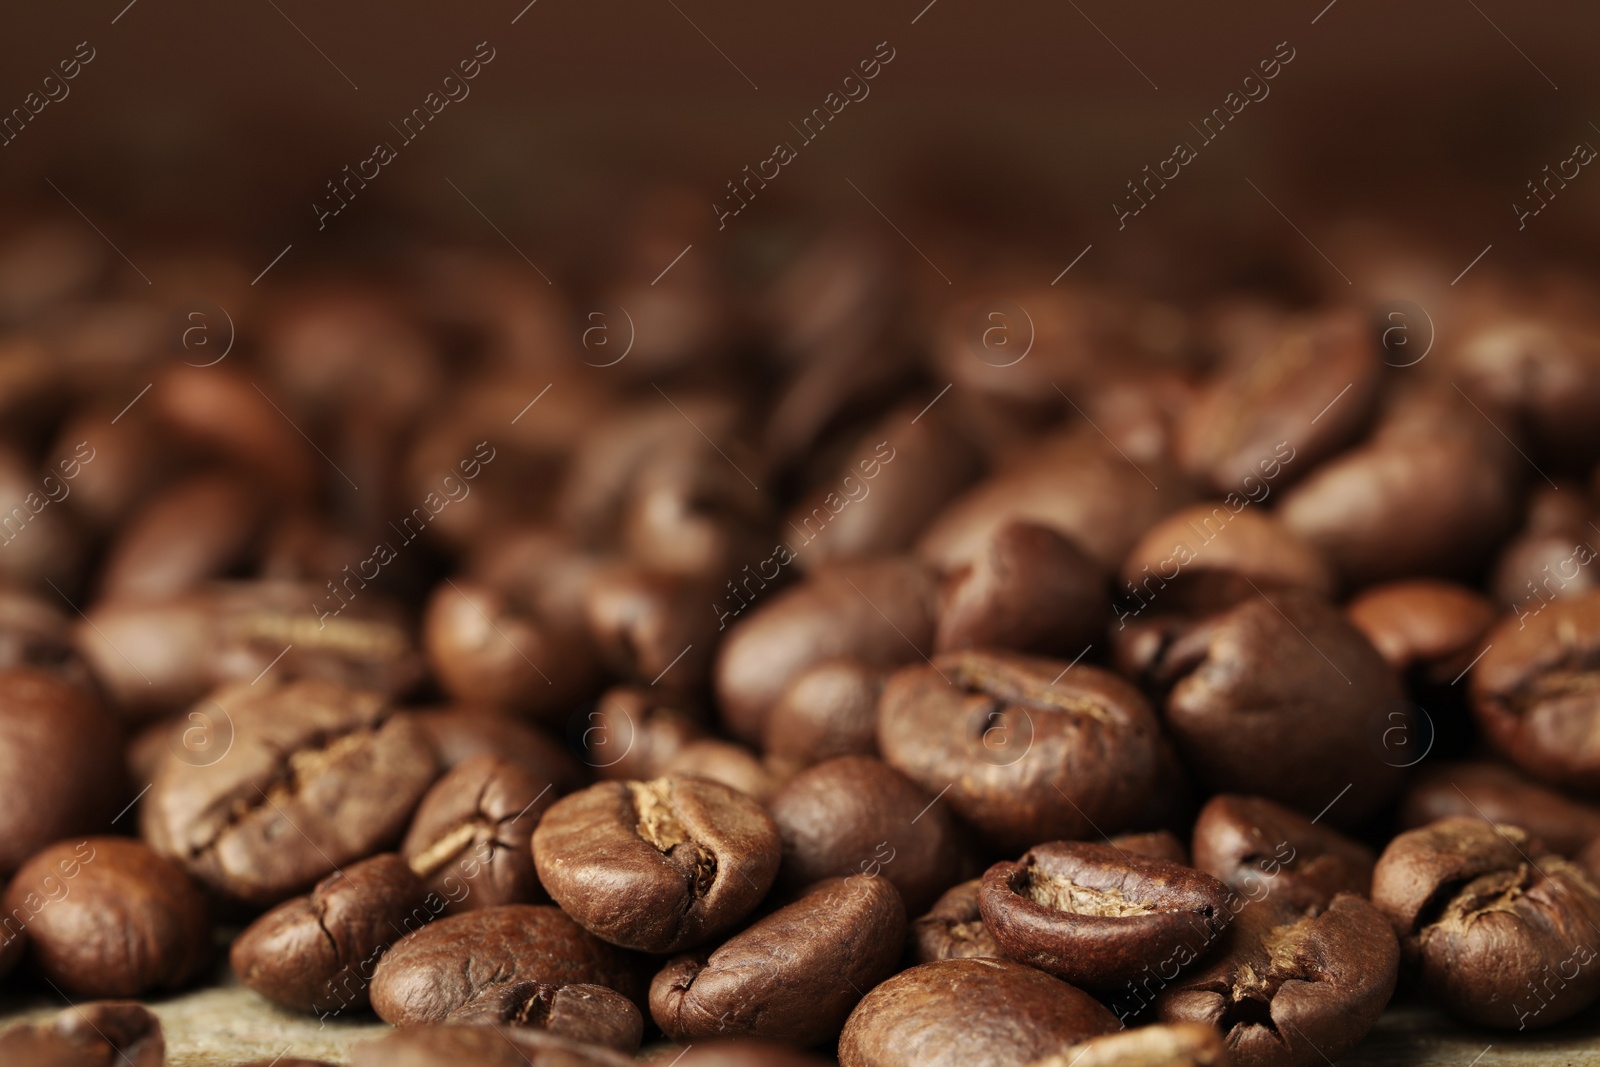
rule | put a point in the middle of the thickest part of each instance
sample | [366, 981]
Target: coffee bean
[1550, 555]
[828, 710]
[967, 1011]
[1499, 794]
[1158, 1045]
[794, 975]
[107, 917]
[1024, 749]
[633, 731]
[591, 1014]
[60, 764]
[1426, 626]
[659, 866]
[34, 633]
[1498, 930]
[446, 964]
[1257, 847]
[469, 839]
[104, 1034]
[736, 1054]
[721, 761]
[317, 953]
[1028, 588]
[459, 734]
[1156, 845]
[653, 626]
[1533, 696]
[1535, 363]
[1286, 988]
[482, 1046]
[1095, 916]
[294, 780]
[193, 531]
[857, 815]
[953, 928]
[217, 411]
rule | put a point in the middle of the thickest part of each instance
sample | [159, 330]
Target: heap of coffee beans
[789, 661]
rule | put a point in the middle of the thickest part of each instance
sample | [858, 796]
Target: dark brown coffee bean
[1094, 916]
[1257, 847]
[1537, 364]
[720, 761]
[317, 953]
[1283, 698]
[1285, 988]
[107, 917]
[653, 626]
[633, 731]
[858, 815]
[482, 1046]
[459, 734]
[968, 1011]
[795, 975]
[60, 764]
[1499, 931]
[35, 633]
[1499, 794]
[291, 780]
[446, 964]
[1550, 556]
[591, 1014]
[1425, 626]
[1028, 589]
[1156, 845]
[216, 411]
[1158, 1045]
[193, 531]
[689, 512]
[879, 612]
[1028, 749]
[659, 866]
[736, 1054]
[43, 540]
[953, 929]
[105, 1034]
[469, 839]
[828, 710]
[1534, 696]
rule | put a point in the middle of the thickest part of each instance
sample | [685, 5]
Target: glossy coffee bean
[793, 976]
[591, 1014]
[634, 731]
[953, 928]
[195, 530]
[468, 841]
[453, 961]
[60, 764]
[721, 761]
[459, 734]
[1095, 916]
[1157, 1045]
[482, 1046]
[1498, 930]
[1024, 749]
[107, 1033]
[858, 815]
[107, 917]
[317, 953]
[291, 781]
[1028, 588]
[1533, 693]
[1499, 794]
[1427, 626]
[827, 711]
[965, 1011]
[653, 626]
[658, 866]
[1156, 845]
[1255, 845]
[1288, 989]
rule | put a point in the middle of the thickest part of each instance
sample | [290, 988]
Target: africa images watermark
[52, 90]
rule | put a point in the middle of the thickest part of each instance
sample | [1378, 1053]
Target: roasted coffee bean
[469, 839]
[953, 929]
[591, 1014]
[1426, 626]
[43, 544]
[317, 953]
[217, 411]
[720, 761]
[1028, 749]
[1094, 915]
[459, 734]
[879, 612]
[828, 710]
[34, 633]
[60, 764]
[1283, 698]
[1499, 794]
[634, 731]
[1498, 930]
[968, 1011]
[291, 780]
[1028, 588]
[195, 530]
[794, 975]
[1156, 845]
[1534, 695]
[858, 815]
[653, 626]
[659, 866]
[105, 1034]
[1536, 362]
[1550, 556]
[446, 964]
[736, 1054]
[1258, 846]
[107, 917]
[1286, 988]
[482, 1046]
[1159, 1045]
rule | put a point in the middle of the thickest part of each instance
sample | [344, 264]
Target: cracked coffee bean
[1257, 847]
[793, 976]
[591, 1014]
[452, 961]
[953, 1013]
[658, 866]
[482, 1046]
[317, 953]
[108, 1033]
[1498, 930]
[954, 928]
[1094, 915]
[309, 775]
[1499, 794]
[1157, 1045]
[469, 839]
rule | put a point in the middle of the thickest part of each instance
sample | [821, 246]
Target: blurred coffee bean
[1023, 749]
[1156, 845]
[36, 633]
[658, 866]
[107, 917]
[826, 711]
[793, 976]
[964, 1011]
[1028, 589]
[1499, 794]
[1259, 847]
[284, 783]
[196, 529]
[953, 929]
[690, 511]
[459, 734]
[468, 841]
[634, 731]
[1487, 918]
[46, 260]
[591, 1014]
[219, 412]
[1542, 367]
[317, 953]
[1550, 555]
[1425, 626]
[743, 1053]
[130, 457]
[481, 1046]
[653, 627]
[721, 761]
[42, 537]
[1157, 1045]
[106, 1033]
